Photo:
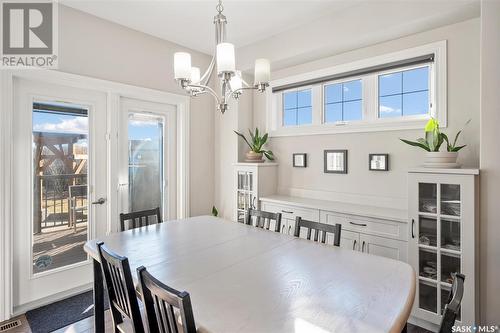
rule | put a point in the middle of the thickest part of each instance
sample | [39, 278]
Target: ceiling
[190, 23]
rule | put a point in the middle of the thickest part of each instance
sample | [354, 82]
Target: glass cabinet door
[439, 242]
[245, 196]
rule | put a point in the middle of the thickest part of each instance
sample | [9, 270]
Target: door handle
[99, 201]
[363, 247]
[354, 245]
[412, 228]
[358, 224]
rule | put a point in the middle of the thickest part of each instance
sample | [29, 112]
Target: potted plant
[434, 139]
[256, 143]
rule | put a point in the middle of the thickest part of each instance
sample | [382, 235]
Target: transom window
[395, 91]
[297, 107]
[343, 101]
[404, 93]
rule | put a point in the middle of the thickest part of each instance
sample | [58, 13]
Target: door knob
[99, 201]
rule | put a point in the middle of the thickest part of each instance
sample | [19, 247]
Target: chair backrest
[167, 310]
[120, 288]
[452, 307]
[140, 218]
[318, 227]
[263, 219]
[75, 191]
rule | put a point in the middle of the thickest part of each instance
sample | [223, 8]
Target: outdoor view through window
[60, 167]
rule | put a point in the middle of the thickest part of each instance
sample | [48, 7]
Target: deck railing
[51, 194]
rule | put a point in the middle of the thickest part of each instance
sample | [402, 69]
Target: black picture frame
[385, 165]
[341, 152]
[294, 162]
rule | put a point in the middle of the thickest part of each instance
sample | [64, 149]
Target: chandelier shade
[231, 80]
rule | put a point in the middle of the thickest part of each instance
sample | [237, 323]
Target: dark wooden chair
[318, 227]
[452, 307]
[121, 291]
[167, 310]
[263, 219]
[140, 218]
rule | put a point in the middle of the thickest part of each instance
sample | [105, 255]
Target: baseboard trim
[353, 198]
[21, 309]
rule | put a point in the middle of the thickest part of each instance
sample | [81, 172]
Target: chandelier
[231, 81]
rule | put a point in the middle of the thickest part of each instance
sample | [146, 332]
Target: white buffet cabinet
[368, 229]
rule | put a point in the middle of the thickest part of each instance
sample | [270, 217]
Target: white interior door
[60, 159]
[148, 150]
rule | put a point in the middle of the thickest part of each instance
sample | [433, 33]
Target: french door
[147, 157]
[60, 190]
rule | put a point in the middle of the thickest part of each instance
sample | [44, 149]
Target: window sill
[351, 127]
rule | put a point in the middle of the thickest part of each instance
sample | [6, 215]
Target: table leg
[98, 298]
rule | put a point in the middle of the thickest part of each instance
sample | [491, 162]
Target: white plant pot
[441, 159]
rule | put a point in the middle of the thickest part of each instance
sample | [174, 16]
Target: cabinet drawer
[291, 212]
[376, 227]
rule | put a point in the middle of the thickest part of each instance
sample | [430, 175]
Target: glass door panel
[427, 231]
[450, 199]
[145, 161]
[428, 264]
[450, 263]
[450, 234]
[427, 196]
[428, 296]
[445, 294]
[60, 137]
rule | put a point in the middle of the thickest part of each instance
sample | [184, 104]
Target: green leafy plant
[257, 142]
[215, 212]
[434, 138]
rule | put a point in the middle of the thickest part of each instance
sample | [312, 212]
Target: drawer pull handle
[282, 228]
[289, 228]
[354, 245]
[286, 211]
[358, 224]
[363, 247]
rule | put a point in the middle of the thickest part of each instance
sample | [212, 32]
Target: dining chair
[452, 307]
[125, 310]
[318, 227]
[167, 310]
[140, 218]
[263, 219]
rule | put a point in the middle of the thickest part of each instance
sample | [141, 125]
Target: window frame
[370, 96]
[342, 81]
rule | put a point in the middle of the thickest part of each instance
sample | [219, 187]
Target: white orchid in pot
[256, 145]
[432, 143]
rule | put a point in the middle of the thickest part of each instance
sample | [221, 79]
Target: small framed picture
[335, 161]
[300, 160]
[378, 162]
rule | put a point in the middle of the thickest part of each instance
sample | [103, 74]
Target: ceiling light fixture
[231, 81]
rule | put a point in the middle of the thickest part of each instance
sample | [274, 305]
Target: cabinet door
[384, 247]
[348, 240]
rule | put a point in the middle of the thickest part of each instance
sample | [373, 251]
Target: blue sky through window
[404, 93]
[297, 107]
[343, 101]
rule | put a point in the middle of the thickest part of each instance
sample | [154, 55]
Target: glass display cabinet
[253, 180]
[442, 213]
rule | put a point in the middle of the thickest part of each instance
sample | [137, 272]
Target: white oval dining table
[245, 279]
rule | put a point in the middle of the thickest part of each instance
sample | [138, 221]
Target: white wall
[383, 188]
[490, 163]
[98, 48]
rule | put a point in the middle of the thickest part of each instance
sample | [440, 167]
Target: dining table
[247, 279]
